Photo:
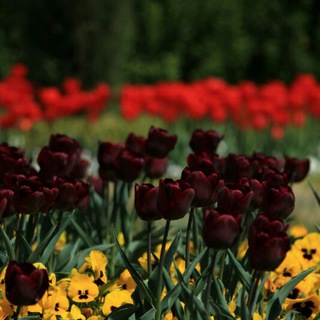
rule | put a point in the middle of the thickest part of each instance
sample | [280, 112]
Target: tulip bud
[205, 187]
[279, 201]
[205, 141]
[159, 142]
[25, 284]
[146, 196]
[268, 243]
[174, 198]
[136, 144]
[128, 166]
[296, 169]
[220, 230]
[155, 168]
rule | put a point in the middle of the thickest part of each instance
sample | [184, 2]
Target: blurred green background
[144, 41]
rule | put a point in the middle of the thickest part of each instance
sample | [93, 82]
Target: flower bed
[215, 243]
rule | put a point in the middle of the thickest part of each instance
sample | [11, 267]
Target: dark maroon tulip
[79, 170]
[60, 158]
[220, 230]
[107, 154]
[206, 163]
[279, 201]
[174, 198]
[155, 168]
[159, 142]
[238, 166]
[268, 243]
[136, 144]
[296, 169]
[145, 201]
[128, 166]
[12, 160]
[71, 193]
[8, 196]
[25, 284]
[258, 191]
[234, 198]
[205, 187]
[271, 162]
[205, 141]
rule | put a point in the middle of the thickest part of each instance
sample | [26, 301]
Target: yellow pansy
[116, 299]
[61, 242]
[97, 262]
[298, 231]
[75, 313]
[125, 281]
[307, 250]
[308, 307]
[57, 304]
[82, 288]
[6, 309]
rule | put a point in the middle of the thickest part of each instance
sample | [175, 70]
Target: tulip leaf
[274, 305]
[170, 286]
[8, 244]
[315, 193]
[244, 276]
[25, 249]
[87, 240]
[135, 275]
[49, 241]
[169, 256]
[149, 315]
[123, 312]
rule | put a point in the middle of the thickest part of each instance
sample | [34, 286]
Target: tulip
[208, 164]
[159, 142]
[145, 201]
[205, 187]
[25, 284]
[268, 243]
[279, 201]
[174, 198]
[128, 166]
[155, 168]
[136, 144]
[220, 230]
[234, 198]
[296, 169]
[205, 141]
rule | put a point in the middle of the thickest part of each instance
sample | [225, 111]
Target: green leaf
[149, 315]
[46, 247]
[315, 193]
[8, 244]
[274, 305]
[25, 249]
[135, 275]
[123, 312]
[244, 276]
[87, 240]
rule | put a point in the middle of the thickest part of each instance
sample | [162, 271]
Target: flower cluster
[249, 106]
[25, 104]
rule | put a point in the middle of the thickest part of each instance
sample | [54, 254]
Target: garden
[185, 188]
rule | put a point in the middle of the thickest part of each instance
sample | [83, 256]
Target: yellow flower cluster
[85, 294]
[305, 297]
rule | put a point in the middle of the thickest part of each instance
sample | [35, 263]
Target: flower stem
[253, 290]
[17, 312]
[209, 279]
[188, 236]
[149, 225]
[160, 271]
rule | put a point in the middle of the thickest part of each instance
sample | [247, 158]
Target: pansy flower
[97, 263]
[75, 313]
[82, 288]
[126, 282]
[308, 307]
[116, 299]
[6, 309]
[57, 304]
[307, 250]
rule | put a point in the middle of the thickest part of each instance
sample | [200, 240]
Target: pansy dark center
[305, 308]
[112, 308]
[83, 294]
[294, 294]
[308, 254]
[56, 307]
[286, 273]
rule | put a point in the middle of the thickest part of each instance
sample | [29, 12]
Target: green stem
[160, 271]
[253, 291]
[17, 312]
[188, 236]
[149, 225]
[209, 280]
